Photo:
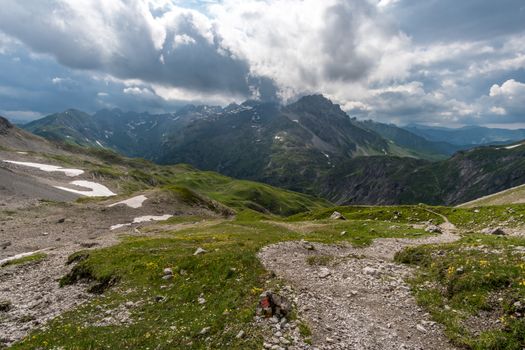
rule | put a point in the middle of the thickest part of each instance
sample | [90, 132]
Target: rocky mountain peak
[313, 102]
[5, 125]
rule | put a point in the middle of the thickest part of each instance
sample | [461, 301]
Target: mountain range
[467, 135]
[311, 146]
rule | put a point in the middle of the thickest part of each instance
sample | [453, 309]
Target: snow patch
[151, 218]
[48, 168]
[96, 189]
[19, 256]
[514, 146]
[135, 202]
[117, 226]
[140, 219]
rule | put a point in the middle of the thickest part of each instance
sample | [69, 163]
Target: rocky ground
[355, 298]
[32, 290]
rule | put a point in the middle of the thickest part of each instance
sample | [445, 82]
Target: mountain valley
[184, 255]
[309, 146]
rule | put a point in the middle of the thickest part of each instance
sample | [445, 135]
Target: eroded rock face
[5, 125]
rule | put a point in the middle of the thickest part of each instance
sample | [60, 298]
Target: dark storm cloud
[341, 41]
[397, 61]
[452, 20]
[124, 40]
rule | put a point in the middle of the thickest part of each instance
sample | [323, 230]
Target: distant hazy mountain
[468, 135]
[419, 146]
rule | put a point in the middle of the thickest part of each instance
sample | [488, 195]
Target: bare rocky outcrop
[5, 126]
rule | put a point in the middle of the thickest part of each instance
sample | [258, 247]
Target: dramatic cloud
[403, 61]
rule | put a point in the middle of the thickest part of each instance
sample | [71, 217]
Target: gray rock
[240, 335]
[421, 328]
[307, 245]
[324, 272]
[205, 330]
[168, 271]
[200, 251]
[5, 305]
[337, 216]
[433, 229]
[370, 271]
[498, 231]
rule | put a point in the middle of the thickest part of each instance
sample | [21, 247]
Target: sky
[435, 62]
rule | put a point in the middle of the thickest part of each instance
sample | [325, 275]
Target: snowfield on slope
[48, 167]
[140, 219]
[134, 202]
[96, 189]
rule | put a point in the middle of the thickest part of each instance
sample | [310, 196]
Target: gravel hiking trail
[360, 299]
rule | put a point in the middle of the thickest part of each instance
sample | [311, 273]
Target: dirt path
[360, 300]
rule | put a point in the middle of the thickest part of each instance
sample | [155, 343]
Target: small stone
[421, 328]
[200, 251]
[284, 341]
[167, 277]
[370, 271]
[433, 229]
[45, 234]
[201, 300]
[343, 233]
[307, 245]
[168, 271]
[324, 272]
[5, 305]
[61, 220]
[205, 330]
[240, 335]
[337, 216]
